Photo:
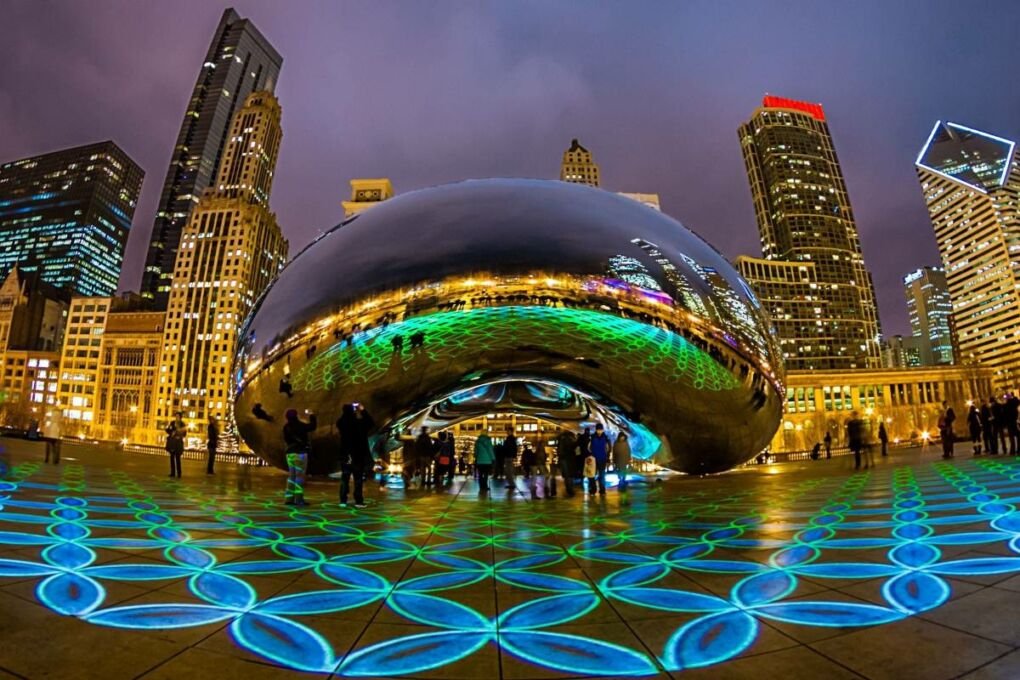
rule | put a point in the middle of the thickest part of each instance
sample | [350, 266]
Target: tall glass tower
[67, 214]
[804, 217]
[931, 314]
[239, 61]
[971, 185]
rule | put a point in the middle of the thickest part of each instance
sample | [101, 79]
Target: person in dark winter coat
[855, 437]
[424, 450]
[354, 426]
[988, 427]
[176, 431]
[298, 447]
[946, 422]
[566, 447]
[583, 451]
[883, 436]
[974, 425]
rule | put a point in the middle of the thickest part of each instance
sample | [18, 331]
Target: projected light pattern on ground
[616, 343]
[710, 570]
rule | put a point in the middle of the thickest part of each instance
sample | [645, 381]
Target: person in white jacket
[52, 432]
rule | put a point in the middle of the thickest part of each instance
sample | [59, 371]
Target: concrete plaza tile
[1006, 667]
[199, 663]
[910, 648]
[73, 648]
[991, 613]
[784, 664]
[482, 664]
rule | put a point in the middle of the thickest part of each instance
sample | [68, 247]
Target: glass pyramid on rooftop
[970, 156]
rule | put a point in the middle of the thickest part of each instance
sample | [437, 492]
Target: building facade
[903, 352]
[971, 185]
[79, 363]
[231, 249]
[365, 193]
[578, 166]
[650, 200]
[67, 214]
[931, 312]
[239, 61]
[908, 401]
[29, 388]
[804, 217]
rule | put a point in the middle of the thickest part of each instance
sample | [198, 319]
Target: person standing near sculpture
[510, 458]
[176, 431]
[485, 456]
[354, 426]
[621, 459]
[298, 447]
[52, 433]
[566, 447]
[1012, 411]
[601, 448]
[212, 442]
[883, 436]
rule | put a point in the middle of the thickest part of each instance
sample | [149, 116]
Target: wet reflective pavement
[909, 570]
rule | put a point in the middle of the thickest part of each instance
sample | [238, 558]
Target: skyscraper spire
[239, 61]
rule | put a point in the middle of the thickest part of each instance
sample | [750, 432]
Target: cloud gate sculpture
[559, 301]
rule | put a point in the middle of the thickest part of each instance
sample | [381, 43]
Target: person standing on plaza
[176, 431]
[566, 447]
[1012, 411]
[542, 465]
[828, 445]
[485, 456]
[529, 466]
[354, 426]
[424, 450]
[974, 425]
[53, 430]
[582, 453]
[510, 458]
[297, 445]
[855, 437]
[621, 459]
[946, 421]
[988, 427]
[1001, 426]
[212, 442]
[444, 459]
[601, 448]
[883, 437]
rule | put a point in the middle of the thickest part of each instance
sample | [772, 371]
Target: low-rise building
[908, 401]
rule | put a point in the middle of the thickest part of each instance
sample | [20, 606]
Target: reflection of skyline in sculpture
[436, 296]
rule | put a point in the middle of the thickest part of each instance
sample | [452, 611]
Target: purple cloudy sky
[431, 92]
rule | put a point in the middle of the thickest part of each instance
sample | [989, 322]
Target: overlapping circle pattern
[624, 344]
[907, 528]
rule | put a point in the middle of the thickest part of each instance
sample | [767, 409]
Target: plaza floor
[909, 570]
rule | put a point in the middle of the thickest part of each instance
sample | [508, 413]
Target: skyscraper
[231, 249]
[930, 311]
[578, 166]
[239, 61]
[67, 214]
[971, 185]
[804, 217]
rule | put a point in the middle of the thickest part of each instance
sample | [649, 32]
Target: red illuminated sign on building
[813, 110]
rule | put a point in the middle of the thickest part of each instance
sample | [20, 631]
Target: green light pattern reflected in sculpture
[618, 344]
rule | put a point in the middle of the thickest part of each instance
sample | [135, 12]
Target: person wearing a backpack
[444, 460]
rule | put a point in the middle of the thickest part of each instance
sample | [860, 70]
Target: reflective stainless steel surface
[515, 287]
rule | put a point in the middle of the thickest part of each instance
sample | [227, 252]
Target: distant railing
[189, 454]
[797, 456]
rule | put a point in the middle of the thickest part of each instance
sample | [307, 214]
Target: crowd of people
[431, 462]
[993, 427]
